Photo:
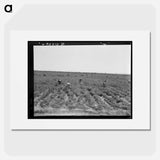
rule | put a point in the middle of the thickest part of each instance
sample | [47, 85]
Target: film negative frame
[31, 45]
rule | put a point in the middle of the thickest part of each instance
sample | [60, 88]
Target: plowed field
[75, 93]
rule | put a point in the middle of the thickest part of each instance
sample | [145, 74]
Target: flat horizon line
[80, 72]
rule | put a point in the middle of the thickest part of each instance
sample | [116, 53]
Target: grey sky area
[84, 58]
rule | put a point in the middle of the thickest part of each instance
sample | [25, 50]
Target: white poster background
[19, 76]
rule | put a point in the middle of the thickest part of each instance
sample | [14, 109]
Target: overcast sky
[84, 58]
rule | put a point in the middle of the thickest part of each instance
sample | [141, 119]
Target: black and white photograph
[80, 79]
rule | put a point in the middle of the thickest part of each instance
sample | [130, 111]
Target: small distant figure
[80, 81]
[68, 84]
[67, 87]
[104, 83]
[59, 82]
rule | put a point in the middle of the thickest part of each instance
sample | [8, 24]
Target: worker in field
[68, 84]
[104, 83]
[80, 81]
[59, 82]
[67, 87]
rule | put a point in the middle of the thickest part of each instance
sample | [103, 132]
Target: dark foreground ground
[73, 93]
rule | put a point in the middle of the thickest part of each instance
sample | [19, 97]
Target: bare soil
[75, 93]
